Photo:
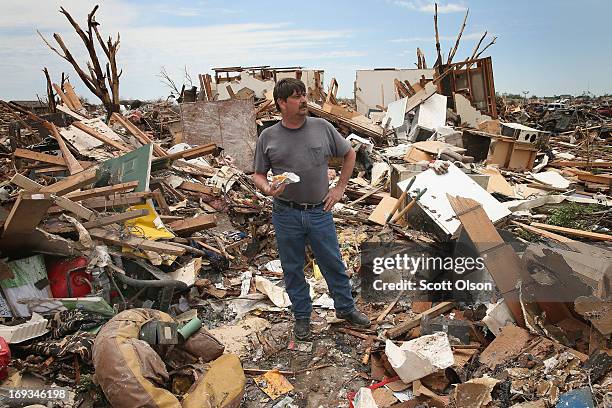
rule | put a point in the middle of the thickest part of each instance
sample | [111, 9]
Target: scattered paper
[273, 383]
[274, 266]
[276, 294]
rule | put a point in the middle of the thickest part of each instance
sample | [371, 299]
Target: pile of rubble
[135, 246]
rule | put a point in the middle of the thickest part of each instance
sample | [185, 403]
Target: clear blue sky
[545, 47]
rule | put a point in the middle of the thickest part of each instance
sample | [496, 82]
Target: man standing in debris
[302, 211]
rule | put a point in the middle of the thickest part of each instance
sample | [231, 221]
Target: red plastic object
[72, 270]
[5, 358]
[351, 395]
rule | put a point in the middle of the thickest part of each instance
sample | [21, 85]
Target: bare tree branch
[50, 46]
[166, 80]
[188, 77]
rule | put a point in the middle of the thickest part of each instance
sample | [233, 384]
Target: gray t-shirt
[303, 151]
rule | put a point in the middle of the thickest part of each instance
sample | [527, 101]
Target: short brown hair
[285, 88]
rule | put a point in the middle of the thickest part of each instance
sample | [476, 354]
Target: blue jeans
[294, 229]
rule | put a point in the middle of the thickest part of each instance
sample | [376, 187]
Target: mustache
[303, 105]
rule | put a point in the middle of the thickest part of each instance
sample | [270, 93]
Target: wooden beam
[60, 201]
[63, 96]
[188, 226]
[50, 169]
[41, 157]
[46, 158]
[70, 112]
[25, 182]
[72, 183]
[115, 218]
[439, 60]
[199, 188]
[264, 106]
[73, 165]
[373, 131]
[74, 208]
[605, 179]
[451, 54]
[230, 91]
[104, 139]
[415, 321]
[158, 196]
[573, 232]
[571, 163]
[207, 85]
[193, 153]
[118, 200]
[202, 92]
[102, 191]
[26, 213]
[72, 96]
[543, 233]
[135, 242]
[138, 134]
[61, 187]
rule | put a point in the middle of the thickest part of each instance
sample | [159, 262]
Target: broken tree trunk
[96, 80]
[50, 94]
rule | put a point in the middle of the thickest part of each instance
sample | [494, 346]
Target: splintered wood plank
[115, 218]
[25, 182]
[136, 242]
[97, 135]
[118, 200]
[60, 201]
[74, 208]
[46, 158]
[199, 188]
[63, 96]
[138, 134]
[543, 233]
[73, 165]
[26, 214]
[158, 196]
[402, 328]
[71, 183]
[573, 232]
[74, 99]
[52, 169]
[102, 191]
[70, 112]
[190, 225]
[571, 163]
[41, 157]
[605, 179]
[195, 152]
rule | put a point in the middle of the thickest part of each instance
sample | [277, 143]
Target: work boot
[301, 329]
[355, 317]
